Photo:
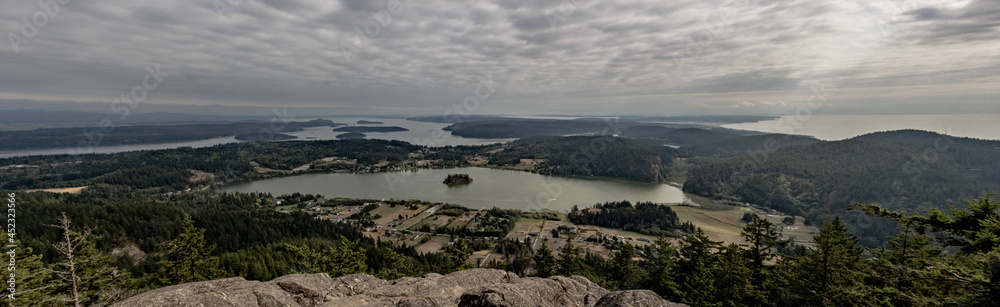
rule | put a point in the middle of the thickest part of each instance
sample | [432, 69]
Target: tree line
[644, 217]
[913, 269]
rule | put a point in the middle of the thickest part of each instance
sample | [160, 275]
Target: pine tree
[343, 259]
[305, 259]
[347, 258]
[732, 279]
[830, 275]
[661, 264]
[624, 268]
[86, 275]
[34, 284]
[900, 274]
[762, 239]
[544, 262]
[570, 262]
[694, 274]
[976, 231]
[398, 266]
[189, 259]
[459, 251]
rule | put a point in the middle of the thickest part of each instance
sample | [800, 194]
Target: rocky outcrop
[475, 287]
[634, 298]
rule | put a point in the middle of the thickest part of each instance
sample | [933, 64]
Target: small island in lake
[368, 122]
[351, 135]
[456, 179]
[363, 129]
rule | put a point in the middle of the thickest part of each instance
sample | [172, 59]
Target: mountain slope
[900, 170]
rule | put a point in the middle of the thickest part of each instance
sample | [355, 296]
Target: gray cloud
[621, 57]
[979, 20]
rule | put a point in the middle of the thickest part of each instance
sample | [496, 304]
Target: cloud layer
[570, 57]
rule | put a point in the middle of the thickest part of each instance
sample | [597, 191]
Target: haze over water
[839, 127]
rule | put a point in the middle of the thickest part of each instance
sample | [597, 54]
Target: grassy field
[74, 190]
[525, 226]
[433, 221]
[390, 213]
[706, 203]
[722, 222]
[719, 224]
[416, 219]
[459, 222]
[799, 231]
[434, 245]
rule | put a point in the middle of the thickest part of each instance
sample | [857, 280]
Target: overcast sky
[544, 57]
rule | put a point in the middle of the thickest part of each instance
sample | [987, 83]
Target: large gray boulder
[235, 292]
[474, 287]
[553, 291]
[635, 298]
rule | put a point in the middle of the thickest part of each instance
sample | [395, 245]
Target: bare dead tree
[68, 248]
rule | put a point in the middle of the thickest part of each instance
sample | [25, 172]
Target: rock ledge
[474, 287]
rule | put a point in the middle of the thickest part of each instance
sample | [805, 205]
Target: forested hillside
[590, 156]
[979, 159]
[742, 146]
[679, 136]
[146, 134]
[911, 171]
[132, 241]
[171, 168]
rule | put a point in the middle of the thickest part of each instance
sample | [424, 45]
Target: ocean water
[839, 127]
[420, 133]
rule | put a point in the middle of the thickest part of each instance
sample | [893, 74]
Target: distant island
[351, 135]
[314, 123]
[363, 129]
[368, 122]
[137, 134]
[257, 137]
[456, 179]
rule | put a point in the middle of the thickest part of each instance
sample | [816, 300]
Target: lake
[839, 127]
[420, 133]
[504, 189]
